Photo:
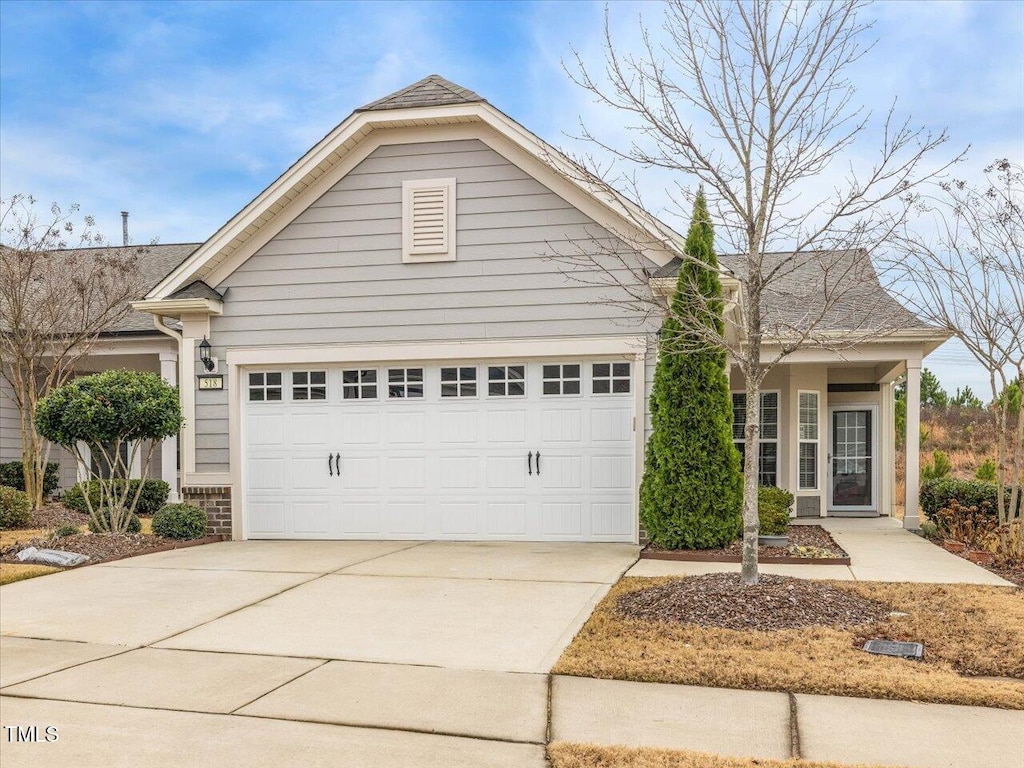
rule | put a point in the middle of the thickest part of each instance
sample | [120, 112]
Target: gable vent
[428, 220]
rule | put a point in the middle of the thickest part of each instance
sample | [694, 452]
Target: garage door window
[265, 387]
[359, 384]
[506, 380]
[405, 382]
[309, 385]
[611, 378]
[458, 382]
[562, 379]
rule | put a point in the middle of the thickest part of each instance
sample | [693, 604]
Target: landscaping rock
[51, 557]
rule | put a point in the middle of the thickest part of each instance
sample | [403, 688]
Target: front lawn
[972, 634]
[12, 572]
[564, 755]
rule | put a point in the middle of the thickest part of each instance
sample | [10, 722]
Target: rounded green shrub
[153, 497]
[66, 530]
[939, 493]
[134, 524]
[180, 521]
[15, 508]
[773, 505]
[12, 474]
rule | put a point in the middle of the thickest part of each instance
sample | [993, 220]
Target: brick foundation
[216, 502]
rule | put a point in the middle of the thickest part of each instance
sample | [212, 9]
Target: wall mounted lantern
[204, 355]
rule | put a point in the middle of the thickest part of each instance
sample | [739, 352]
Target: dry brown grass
[565, 755]
[11, 537]
[968, 630]
[12, 572]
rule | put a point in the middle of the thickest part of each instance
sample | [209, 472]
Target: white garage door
[535, 451]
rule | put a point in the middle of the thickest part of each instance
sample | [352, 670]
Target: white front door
[533, 450]
[853, 473]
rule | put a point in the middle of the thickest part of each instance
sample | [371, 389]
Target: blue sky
[182, 112]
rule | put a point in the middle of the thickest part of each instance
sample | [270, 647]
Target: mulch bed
[1014, 574]
[774, 603]
[54, 514]
[103, 548]
[810, 544]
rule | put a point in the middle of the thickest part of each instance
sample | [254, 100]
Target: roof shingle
[431, 91]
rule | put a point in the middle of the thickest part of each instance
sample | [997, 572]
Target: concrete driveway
[279, 653]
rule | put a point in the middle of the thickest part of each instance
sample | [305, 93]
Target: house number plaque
[207, 381]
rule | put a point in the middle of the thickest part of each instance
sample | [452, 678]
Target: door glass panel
[851, 459]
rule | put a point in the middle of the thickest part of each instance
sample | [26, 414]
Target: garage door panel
[311, 428]
[361, 516]
[506, 518]
[266, 517]
[406, 517]
[507, 426]
[406, 428]
[612, 425]
[405, 472]
[266, 474]
[359, 427]
[562, 426]
[458, 426]
[459, 472]
[309, 473]
[359, 472]
[560, 472]
[460, 518]
[612, 473]
[506, 472]
[563, 518]
[265, 429]
[612, 519]
[310, 516]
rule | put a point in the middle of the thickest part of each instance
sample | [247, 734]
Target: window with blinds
[428, 220]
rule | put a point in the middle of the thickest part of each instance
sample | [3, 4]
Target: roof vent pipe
[124, 227]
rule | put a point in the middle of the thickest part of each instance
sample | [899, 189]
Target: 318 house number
[27, 734]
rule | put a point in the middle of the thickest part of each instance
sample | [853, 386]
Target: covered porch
[828, 429]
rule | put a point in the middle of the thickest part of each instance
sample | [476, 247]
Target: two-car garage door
[535, 451]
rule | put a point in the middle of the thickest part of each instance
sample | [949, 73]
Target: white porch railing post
[912, 486]
[169, 447]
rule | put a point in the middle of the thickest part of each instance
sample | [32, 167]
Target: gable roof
[860, 302]
[431, 91]
[432, 101]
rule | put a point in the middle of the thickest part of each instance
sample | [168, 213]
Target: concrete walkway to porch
[880, 549]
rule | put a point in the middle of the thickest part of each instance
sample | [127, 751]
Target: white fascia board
[513, 349]
[361, 124]
[178, 307]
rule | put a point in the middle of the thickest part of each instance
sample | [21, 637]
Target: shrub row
[773, 505]
[154, 495]
[939, 493]
[180, 521]
[12, 474]
[15, 508]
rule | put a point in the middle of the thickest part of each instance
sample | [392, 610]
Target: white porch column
[169, 447]
[912, 485]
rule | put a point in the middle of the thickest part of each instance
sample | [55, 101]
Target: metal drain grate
[893, 648]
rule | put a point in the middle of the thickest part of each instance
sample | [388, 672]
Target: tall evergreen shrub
[691, 495]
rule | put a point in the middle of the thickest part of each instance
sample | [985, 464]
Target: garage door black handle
[329, 467]
[337, 463]
[538, 463]
[529, 463]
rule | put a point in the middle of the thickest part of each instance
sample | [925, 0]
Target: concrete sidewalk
[763, 724]
[879, 548]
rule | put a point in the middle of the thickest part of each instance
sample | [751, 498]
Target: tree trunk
[751, 522]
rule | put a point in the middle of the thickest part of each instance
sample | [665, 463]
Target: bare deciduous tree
[54, 304]
[752, 101]
[963, 270]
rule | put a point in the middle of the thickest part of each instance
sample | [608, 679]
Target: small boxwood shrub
[15, 508]
[12, 474]
[773, 509]
[180, 521]
[134, 524]
[154, 495]
[66, 530]
[939, 493]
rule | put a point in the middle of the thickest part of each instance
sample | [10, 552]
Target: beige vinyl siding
[335, 274]
[10, 425]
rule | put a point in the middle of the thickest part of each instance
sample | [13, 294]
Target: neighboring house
[401, 357]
